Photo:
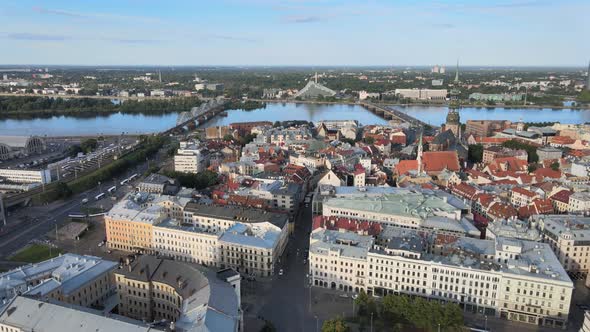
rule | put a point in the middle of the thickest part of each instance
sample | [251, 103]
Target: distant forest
[25, 107]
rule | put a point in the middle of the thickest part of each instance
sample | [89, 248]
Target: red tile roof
[351, 225]
[437, 161]
[562, 196]
[547, 173]
[404, 166]
[502, 210]
[524, 192]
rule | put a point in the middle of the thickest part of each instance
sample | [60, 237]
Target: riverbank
[463, 105]
[47, 107]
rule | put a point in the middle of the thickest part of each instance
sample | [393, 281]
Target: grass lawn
[35, 253]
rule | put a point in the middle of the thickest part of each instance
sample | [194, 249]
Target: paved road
[52, 217]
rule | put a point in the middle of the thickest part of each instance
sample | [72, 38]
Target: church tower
[453, 119]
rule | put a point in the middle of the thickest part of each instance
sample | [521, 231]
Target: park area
[36, 253]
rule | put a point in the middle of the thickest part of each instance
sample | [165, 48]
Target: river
[118, 123]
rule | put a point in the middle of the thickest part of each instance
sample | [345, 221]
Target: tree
[335, 325]
[228, 137]
[475, 153]
[62, 190]
[268, 327]
[532, 168]
[89, 145]
[555, 166]
[369, 140]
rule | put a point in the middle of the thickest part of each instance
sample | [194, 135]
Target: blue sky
[295, 32]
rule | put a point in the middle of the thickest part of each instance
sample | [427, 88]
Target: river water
[139, 123]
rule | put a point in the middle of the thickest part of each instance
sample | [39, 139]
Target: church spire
[419, 154]
[457, 72]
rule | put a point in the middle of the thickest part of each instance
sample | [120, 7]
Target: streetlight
[485, 324]
[371, 322]
[317, 324]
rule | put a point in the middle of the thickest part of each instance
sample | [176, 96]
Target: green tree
[268, 327]
[335, 325]
[475, 153]
[532, 168]
[89, 145]
[369, 140]
[555, 166]
[62, 190]
[228, 137]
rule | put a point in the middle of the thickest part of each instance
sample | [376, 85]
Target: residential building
[568, 236]
[579, 202]
[549, 153]
[153, 289]
[157, 184]
[191, 158]
[485, 128]
[522, 197]
[74, 279]
[494, 152]
[488, 276]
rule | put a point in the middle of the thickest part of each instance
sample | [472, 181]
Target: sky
[295, 32]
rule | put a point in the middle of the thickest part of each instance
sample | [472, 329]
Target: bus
[124, 181]
[112, 189]
[77, 215]
[99, 196]
[132, 177]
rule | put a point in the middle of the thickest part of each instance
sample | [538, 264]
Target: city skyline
[295, 33]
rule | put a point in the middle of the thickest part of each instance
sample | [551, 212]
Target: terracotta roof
[502, 210]
[439, 160]
[562, 196]
[547, 173]
[524, 192]
[464, 190]
[543, 206]
[404, 166]
[562, 140]
[351, 225]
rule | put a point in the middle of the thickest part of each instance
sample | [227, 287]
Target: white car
[281, 272]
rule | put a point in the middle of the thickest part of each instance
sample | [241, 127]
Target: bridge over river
[390, 113]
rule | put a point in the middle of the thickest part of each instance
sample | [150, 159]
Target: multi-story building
[485, 128]
[579, 202]
[152, 289]
[422, 94]
[494, 152]
[513, 279]
[180, 296]
[569, 237]
[191, 158]
[25, 175]
[74, 279]
[157, 184]
[501, 97]
[522, 197]
[129, 224]
[549, 153]
[213, 235]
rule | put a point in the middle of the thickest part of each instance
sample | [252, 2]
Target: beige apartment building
[569, 238]
[512, 279]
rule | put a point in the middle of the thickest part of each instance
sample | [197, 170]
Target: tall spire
[316, 77]
[419, 154]
[457, 73]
